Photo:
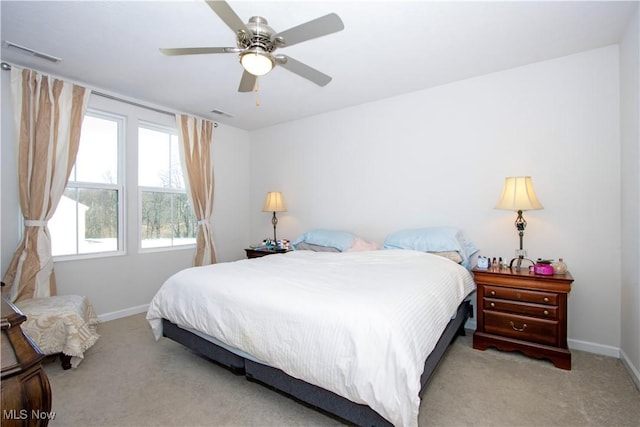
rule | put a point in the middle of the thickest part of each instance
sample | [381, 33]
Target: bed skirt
[310, 394]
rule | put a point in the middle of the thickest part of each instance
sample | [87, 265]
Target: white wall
[439, 157]
[630, 185]
[432, 157]
[121, 285]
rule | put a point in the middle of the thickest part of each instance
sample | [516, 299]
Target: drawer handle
[546, 299]
[546, 312]
[524, 326]
[493, 304]
[493, 292]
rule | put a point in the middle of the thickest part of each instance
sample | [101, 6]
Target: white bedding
[360, 324]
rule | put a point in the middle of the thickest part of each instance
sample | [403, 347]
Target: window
[166, 216]
[88, 217]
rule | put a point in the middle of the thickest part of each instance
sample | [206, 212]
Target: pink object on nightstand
[543, 269]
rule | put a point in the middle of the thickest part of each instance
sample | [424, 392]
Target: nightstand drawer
[528, 309]
[537, 297]
[521, 327]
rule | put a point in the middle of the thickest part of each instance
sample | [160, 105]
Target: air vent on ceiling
[29, 51]
[221, 113]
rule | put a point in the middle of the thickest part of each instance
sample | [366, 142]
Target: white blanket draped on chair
[61, 324]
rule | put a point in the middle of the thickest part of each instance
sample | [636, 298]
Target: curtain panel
[48, 117]
[196, 138]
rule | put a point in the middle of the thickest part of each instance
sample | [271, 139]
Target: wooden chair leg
[65, 361]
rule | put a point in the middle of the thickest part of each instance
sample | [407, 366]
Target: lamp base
[274, 221]
[518, 261]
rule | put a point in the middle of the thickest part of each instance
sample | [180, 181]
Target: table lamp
[274, 203]
[518, 195]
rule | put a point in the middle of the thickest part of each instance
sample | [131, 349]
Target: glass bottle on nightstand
[559, 267]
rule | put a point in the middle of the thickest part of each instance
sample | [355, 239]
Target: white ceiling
[387, 48]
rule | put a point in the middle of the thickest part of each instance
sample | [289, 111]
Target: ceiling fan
[256, 43]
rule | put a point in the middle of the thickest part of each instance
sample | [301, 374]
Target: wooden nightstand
[523, 311]
[257, 253]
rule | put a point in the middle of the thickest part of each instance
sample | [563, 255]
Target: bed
[356, 334]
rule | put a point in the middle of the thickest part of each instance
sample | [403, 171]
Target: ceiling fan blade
[248, 82]
[318, 27]
[224, 11]
[197, 50]
[303, 70]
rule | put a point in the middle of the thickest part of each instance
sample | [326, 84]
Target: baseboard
[589, 347]
[123, 313]
[633, 372]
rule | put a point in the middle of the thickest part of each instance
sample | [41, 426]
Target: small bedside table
[257, 253]
[523, 311]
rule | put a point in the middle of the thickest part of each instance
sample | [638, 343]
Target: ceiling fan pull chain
[255, 89]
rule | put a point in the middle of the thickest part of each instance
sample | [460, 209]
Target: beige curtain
[48, 114]
[196, 140]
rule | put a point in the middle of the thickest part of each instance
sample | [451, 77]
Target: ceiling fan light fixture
[257, 42]
[257, 62]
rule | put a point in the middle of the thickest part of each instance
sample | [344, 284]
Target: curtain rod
[7, 67]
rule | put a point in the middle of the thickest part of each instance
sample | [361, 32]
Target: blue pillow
[432, 239]
[341, 240]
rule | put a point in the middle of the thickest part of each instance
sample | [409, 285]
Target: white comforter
[360, 324]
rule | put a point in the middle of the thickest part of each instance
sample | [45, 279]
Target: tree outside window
[166, 216]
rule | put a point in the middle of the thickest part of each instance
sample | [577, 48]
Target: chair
[62, 324]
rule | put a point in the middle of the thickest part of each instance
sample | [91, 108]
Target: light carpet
[129, 379]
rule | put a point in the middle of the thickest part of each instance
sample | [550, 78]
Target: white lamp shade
[518, 195]
[256, 63]
[274, 202]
